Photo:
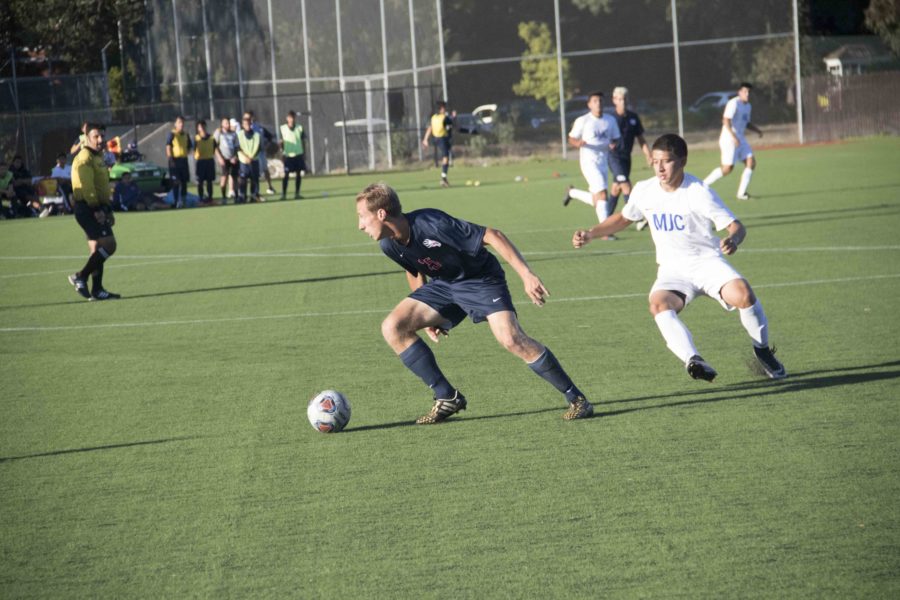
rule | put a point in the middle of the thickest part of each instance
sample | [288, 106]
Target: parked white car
[711, 100]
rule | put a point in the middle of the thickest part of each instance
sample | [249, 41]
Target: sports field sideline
[157, 446]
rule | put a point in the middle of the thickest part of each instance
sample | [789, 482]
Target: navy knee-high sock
[419, 359]
[547, 367]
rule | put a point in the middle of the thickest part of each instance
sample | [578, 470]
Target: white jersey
[680, 222]
[598, 132]
[739, 113]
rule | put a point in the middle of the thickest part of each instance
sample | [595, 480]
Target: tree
[595, 7]
[539, 75]
[883, 18]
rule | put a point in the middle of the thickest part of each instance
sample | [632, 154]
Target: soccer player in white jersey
[594, 134]
[681, 211]
[733, 143]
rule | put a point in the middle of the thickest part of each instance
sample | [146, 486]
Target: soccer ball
[328, 412]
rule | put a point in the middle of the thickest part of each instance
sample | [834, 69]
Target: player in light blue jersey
[682, 213]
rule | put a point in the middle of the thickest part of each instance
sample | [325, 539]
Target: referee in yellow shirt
[93, 212]
[441, 128]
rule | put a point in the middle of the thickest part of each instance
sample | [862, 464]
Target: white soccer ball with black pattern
[329, 411]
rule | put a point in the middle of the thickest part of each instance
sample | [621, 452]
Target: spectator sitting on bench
[62, 173]
[26, 199]
[127, 196]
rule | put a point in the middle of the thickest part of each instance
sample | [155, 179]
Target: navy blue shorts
[294, 164]
[205, 169]
[249, 171]
[475, 298]
[179, 170]
[443, 144]
[620, 166]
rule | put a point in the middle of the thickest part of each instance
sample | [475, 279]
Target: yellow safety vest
[180, 144]
[90, 178]
[437, 125]
[204, 147]
[249, 147]
[292, 139]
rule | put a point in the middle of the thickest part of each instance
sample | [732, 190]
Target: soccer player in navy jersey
[452, 275]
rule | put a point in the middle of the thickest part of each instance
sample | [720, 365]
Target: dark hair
[441, 104]
[201, 122]
[595, 93]
[177, 117]
[291, 113]
[673, 144]
[745, 84]
[381, 195]
[61, 155]
[97, 126]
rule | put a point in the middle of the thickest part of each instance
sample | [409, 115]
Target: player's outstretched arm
[610, 226]
[736, 234]
[534, 287]
[427, 135]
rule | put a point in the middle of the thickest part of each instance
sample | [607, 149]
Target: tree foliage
[595, 7]
[73, 31]
[540, 78]
[883, 18]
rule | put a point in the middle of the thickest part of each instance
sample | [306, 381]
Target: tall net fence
[364, 75]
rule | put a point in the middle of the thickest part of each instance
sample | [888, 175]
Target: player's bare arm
[576, 142]
[614, 143]
[534, 287]
[645, 148]
[736, 234]
[427, 135]
[755, 129]
[612, 225]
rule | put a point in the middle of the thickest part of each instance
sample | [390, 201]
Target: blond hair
[620, 91]
[381, 195]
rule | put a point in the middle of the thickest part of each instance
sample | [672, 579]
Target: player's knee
[108, 246]
[390, 328]
[751, 162]
[726, 169]
[740, 294]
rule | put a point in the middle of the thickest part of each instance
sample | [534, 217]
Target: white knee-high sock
[602, 211]
[714, 176]
[678, 337]
[582, 196]
[754, 321]
[745, 181]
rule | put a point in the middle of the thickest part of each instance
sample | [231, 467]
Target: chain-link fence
[363, 75]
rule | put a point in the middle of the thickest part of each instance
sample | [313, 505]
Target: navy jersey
[631, 127]
[443, 247]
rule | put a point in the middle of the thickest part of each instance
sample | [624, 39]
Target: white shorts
[731, 153]
[697, 276]
[594, 172]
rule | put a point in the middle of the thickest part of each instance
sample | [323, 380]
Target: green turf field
[158, 446]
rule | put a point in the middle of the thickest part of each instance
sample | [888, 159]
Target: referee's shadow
[223, 288]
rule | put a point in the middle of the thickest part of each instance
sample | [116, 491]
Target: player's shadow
[797, 382]
[4, 459]
[831, 191]
[820, 216]
[223, 288]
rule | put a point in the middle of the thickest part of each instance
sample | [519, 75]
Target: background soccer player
[441, 128]
[594, 134]
[620, 157]
[249, 149]
[452, 276]
[178, 144]
[681, 211]
[204, 161]
[292, 137]
[733, 143]
[93, 213]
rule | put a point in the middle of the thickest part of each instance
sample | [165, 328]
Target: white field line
[125, 266]
[291, 254]
[384, 311]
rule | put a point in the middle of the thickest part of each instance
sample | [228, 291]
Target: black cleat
[80, 285]
[443, 409]
[567, 198]
[445, 183]
[104, 295]
[771, 365]
[700, 369]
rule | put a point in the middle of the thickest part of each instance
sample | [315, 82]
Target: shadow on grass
[97, 448]
[800, 381]
[224, 288]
